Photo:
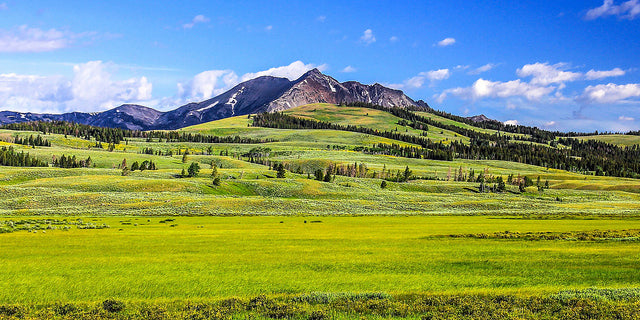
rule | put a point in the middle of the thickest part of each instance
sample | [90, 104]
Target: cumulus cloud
[611, 93]
[511, 122]
[446, 42]
[211, 83]
[26, 39]
[268, 28]
[625, 118]
[593, 75]
[545, 74]
[207, 84]
[419, 80]
[321, 18]
[626, 10]
[368, 37]
[393, 39]
[349, 69]
[92, 86]
[90, 89]
[496, 89]
[483, 69]
[197, 19]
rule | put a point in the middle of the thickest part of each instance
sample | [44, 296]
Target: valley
[163, 240]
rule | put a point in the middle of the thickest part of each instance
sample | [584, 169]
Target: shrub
[11, 311]
[318, 315]
[64, 309]
[113, 305]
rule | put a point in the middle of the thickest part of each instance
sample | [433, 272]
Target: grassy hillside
[617, 139]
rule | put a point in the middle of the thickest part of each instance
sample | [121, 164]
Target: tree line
[9, 157]
[117, 135]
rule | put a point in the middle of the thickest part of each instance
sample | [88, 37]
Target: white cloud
[419, 80]
[207, 84]
[545, 74]
[349, 69]
[611, 93]
[292, 71]
[321, 18]
[90, 89]
[440, 74]
[25, 39]
[550, 123]
[592, 74]
[624, 118]
[393, 39]
[511, 122]
[368, 37]
[482, 69]
[626, 10]
[446, 42]
[211, 83]
[489, 89]
[197, 19]
[268, 28]
[3, 6]
[93, 87]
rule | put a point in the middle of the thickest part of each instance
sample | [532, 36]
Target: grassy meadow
[174, 242]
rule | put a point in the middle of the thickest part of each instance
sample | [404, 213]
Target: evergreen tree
[327, 177]
[194, 169]
[501, 185]
[281, 171]
[407, 174]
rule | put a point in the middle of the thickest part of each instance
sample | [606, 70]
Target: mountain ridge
[262, 94]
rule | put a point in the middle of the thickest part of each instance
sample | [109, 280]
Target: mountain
[315, 87]
[263, 94]
[480, 118]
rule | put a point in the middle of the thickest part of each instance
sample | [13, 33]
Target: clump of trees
[71, 162]
[38, 141]
[9, 157]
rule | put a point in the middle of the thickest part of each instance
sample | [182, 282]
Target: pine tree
[194, 169]
[281, 171]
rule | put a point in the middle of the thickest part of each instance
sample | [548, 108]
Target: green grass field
[248, 237]
[142, 258]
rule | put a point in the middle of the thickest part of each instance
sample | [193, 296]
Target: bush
[11, 311]
[113, 305]
[64, 309]
[318, 315]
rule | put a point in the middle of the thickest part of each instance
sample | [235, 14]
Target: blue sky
[560, 65]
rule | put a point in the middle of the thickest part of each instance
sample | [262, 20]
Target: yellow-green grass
[368, 118]
[618, 139]
[140, 258]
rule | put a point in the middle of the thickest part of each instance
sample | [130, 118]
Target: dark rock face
[480, 118]
[263, 94]
[248, 97]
